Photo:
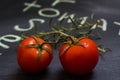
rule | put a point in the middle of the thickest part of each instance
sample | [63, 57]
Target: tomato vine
[77, 49]
[59, 32]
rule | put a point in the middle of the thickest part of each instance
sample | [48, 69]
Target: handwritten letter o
[41, 12]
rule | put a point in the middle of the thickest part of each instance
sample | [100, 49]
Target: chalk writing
[104, 24]
[48, 12]
[84, 19]
[117, 23]
[62, 1]
[31, 23]
[30, 5]
[42, 12]
[65, 16]
[0, 54]
[9, 38]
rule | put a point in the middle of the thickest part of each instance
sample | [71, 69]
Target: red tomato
[28, 56]
[79, 60]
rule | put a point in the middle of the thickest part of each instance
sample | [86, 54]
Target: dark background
[108, 67]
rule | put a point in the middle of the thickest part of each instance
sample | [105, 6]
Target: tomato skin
[27, 57]
[79, 60]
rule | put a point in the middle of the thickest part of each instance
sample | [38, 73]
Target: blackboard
[18, 16]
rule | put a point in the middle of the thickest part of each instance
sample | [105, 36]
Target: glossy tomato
[79, 59]
[28, 55]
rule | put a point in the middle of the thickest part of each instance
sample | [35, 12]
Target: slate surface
[12, 14]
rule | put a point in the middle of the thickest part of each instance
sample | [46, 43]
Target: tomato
[28, 55]
[79, 59]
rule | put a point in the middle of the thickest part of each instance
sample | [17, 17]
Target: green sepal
[64, 50]
[39, 53]
[46, 49]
